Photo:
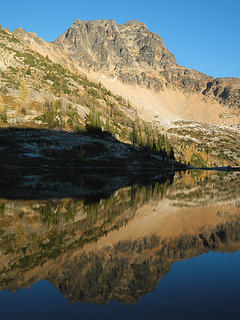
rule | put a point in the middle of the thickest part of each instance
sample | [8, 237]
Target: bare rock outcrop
[137, 56]
[103, 44]
[134, 56]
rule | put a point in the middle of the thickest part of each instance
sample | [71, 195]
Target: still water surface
[166, 249]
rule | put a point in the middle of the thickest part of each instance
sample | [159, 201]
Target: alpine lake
[95, 245]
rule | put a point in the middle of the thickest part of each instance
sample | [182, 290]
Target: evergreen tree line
[138, 132]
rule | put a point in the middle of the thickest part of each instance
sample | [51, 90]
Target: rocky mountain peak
[136, 56]
[135, 24]
[19, 33]
[103, 44]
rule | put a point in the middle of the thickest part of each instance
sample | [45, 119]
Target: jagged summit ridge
[136, 56]
[129, 53]
[107, 45]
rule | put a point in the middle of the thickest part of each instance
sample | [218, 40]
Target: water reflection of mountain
[130, 269]
[33, 232]
[120, 247]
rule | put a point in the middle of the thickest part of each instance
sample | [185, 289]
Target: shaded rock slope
[46, 164]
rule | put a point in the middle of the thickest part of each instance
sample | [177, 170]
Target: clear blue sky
[202, 34]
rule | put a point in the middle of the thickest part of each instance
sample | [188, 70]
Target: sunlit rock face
[104, 44]
[135, 55]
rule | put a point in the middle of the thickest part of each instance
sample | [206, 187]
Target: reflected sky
[193, 289]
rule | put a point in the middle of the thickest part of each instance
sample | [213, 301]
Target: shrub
[4, 116]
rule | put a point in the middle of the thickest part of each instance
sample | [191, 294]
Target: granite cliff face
[106, 45]
[136, 56]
